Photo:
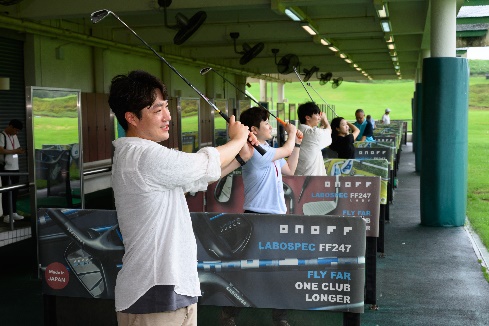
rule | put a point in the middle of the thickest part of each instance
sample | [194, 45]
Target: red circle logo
[56, 276]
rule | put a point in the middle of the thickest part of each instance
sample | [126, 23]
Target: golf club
[204, 71]
[329, 107]
[300, 79]
[98, 15]
[89, 255]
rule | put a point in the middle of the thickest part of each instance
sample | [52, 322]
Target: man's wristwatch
[297, 145]
[240, 160]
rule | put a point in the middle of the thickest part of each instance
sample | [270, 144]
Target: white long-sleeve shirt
[310, 157]
[149, 182]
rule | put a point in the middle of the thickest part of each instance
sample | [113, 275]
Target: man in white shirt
[158, 283]
[386, 119]
[315, 138]
[9, 162]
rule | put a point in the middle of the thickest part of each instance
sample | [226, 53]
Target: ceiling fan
[325, 78]
[186, 27]
[249, 53]
[336, 82]
[309, 73]
[287, 63]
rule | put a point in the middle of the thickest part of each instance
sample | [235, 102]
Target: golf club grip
[258, 148]
[282, 122]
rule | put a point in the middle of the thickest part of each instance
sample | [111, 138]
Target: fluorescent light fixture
[386, 25]
[358, 68]
[342, 55]
[391, 46]
[397, 67]
[394, 59]
[389, 38]
[294, 15]
[333, 48]
[393, 53]
[355, 65]
[348, 60]
[325, 42]
[310, 29]
[381, 8]
[382, 13]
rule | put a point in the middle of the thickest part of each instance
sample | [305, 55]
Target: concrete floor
[430, 275]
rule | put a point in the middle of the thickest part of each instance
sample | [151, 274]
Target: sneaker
[6, 219]
[281, 323]
[17, 217]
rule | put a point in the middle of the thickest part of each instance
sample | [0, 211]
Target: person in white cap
[385, 118]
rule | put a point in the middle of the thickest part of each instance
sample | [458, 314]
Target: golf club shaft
[277, 264]
[203, 71]
[300, 79]
[329, 107]
[100, 14]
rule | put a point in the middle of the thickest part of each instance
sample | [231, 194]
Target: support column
[443, 28]
[280, 92]
[263, 90]
[444, 124]
[417, 122]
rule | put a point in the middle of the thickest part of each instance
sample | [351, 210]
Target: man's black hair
[307, 109]
[132, 93]
[17, 124]
[253, 117]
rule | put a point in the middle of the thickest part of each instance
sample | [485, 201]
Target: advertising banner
[361, 168]
[365, 154]
[312, 195]
[281, 261]
[248, 260]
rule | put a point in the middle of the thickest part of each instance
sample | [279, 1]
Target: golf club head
[222, 192]
[98, 15]
[205, 70]
[322, 207]
[88, 270]
[224, 236]
[289, 194]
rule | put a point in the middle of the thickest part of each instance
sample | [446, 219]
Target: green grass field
[59, 131]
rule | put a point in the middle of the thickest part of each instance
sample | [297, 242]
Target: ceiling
[353, 26]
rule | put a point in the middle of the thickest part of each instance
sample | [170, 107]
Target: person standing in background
[366, 130]
[371, 120]
[317, 135]
[9, 162]
[386, 119]
[342, 138]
